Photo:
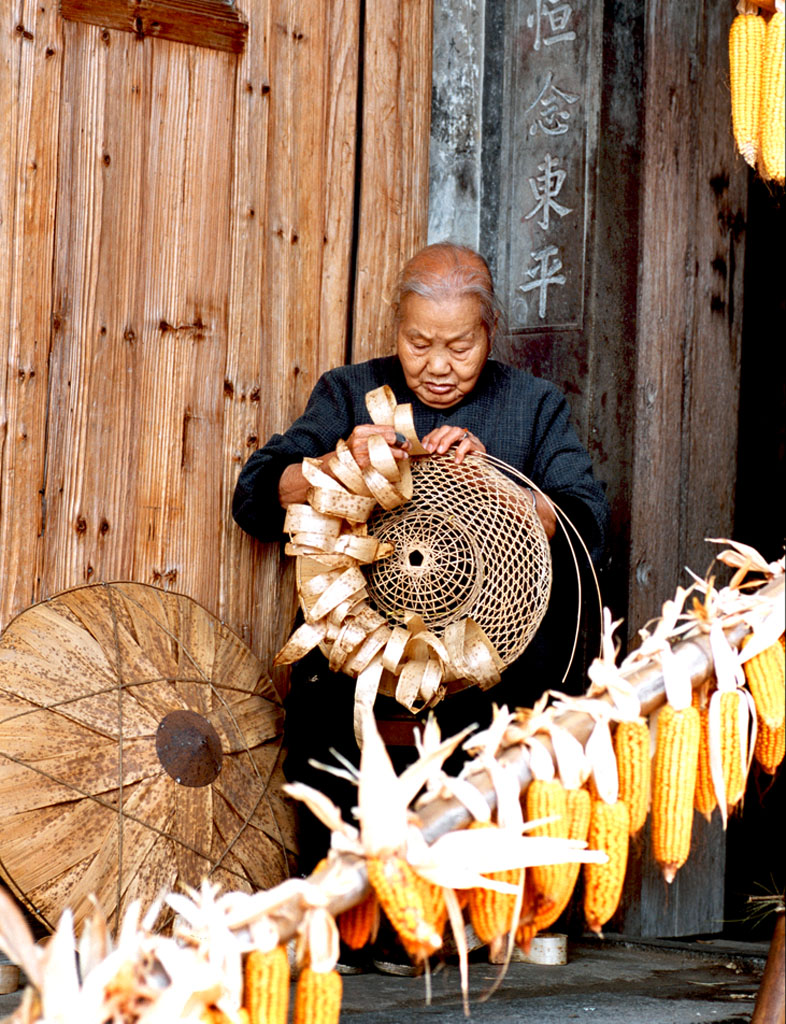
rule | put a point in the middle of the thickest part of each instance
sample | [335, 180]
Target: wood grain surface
[179, 223]
[393, 219]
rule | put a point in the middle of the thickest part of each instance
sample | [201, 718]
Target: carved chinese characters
[547, 108]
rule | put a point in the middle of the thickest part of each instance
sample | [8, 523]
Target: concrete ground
[609, 982]
[602, 983]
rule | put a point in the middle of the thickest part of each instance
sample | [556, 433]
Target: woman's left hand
[443, 438]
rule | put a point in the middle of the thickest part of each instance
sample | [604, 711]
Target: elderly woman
[446, 316]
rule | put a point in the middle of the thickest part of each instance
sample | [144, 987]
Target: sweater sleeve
[329, 415]
[563, 469]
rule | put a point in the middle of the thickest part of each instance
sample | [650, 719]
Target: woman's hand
[357, 442]
[443, 438]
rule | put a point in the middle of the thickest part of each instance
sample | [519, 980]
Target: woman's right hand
[357, 442]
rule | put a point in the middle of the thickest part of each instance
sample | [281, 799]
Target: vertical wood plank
[666, 279]
[687, 373]
[199, 274]
[292, 220]
[245, 403]
[714, 355]
[184, 321]
[31, 54]
[393, 219]
[138, 370]
[74, 404]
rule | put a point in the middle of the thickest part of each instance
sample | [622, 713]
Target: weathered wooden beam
[215, 24]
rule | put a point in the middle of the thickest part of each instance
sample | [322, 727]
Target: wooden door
[177, 225]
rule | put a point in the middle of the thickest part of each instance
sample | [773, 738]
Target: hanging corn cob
[491, 912]
[632, 749]
[674, 770]
[317, 997]
[408, 903]
[266, 994]
[731, 708]
[548, 798]
[773, 144]
[578, 807]
[704, 799]
[358, 925]
[608, 831]
[734, 747]
[548, 892]
[673, 786]
[765, 674]
[770, 746]
[746, 46]
[319, 985]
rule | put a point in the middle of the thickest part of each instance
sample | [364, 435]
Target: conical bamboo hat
[139, 750]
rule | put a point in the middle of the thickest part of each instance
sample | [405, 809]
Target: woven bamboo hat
[468, 544]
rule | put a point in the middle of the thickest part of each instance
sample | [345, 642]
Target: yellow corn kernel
[407, 902]
[541, 915]
[674, 786]
[609, 831]
[317, 997]
[746, 44]
[765, 674]
[490, 912]
[704, 799]
[436, 907]
[358, 925]
[773, 124]
[632, 749]
[734, 771]
[546, 799]
[579, 807]
[770, 746]
[266, 994]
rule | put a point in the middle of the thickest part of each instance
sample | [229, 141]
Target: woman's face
[442, 346]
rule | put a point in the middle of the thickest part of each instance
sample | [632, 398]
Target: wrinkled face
[442, 346]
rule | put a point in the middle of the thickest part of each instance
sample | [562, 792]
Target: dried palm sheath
[345, 882]
[139, 748]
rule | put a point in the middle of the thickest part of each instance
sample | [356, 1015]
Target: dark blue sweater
[520, 419]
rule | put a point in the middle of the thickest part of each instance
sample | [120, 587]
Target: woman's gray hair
[446, 270]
